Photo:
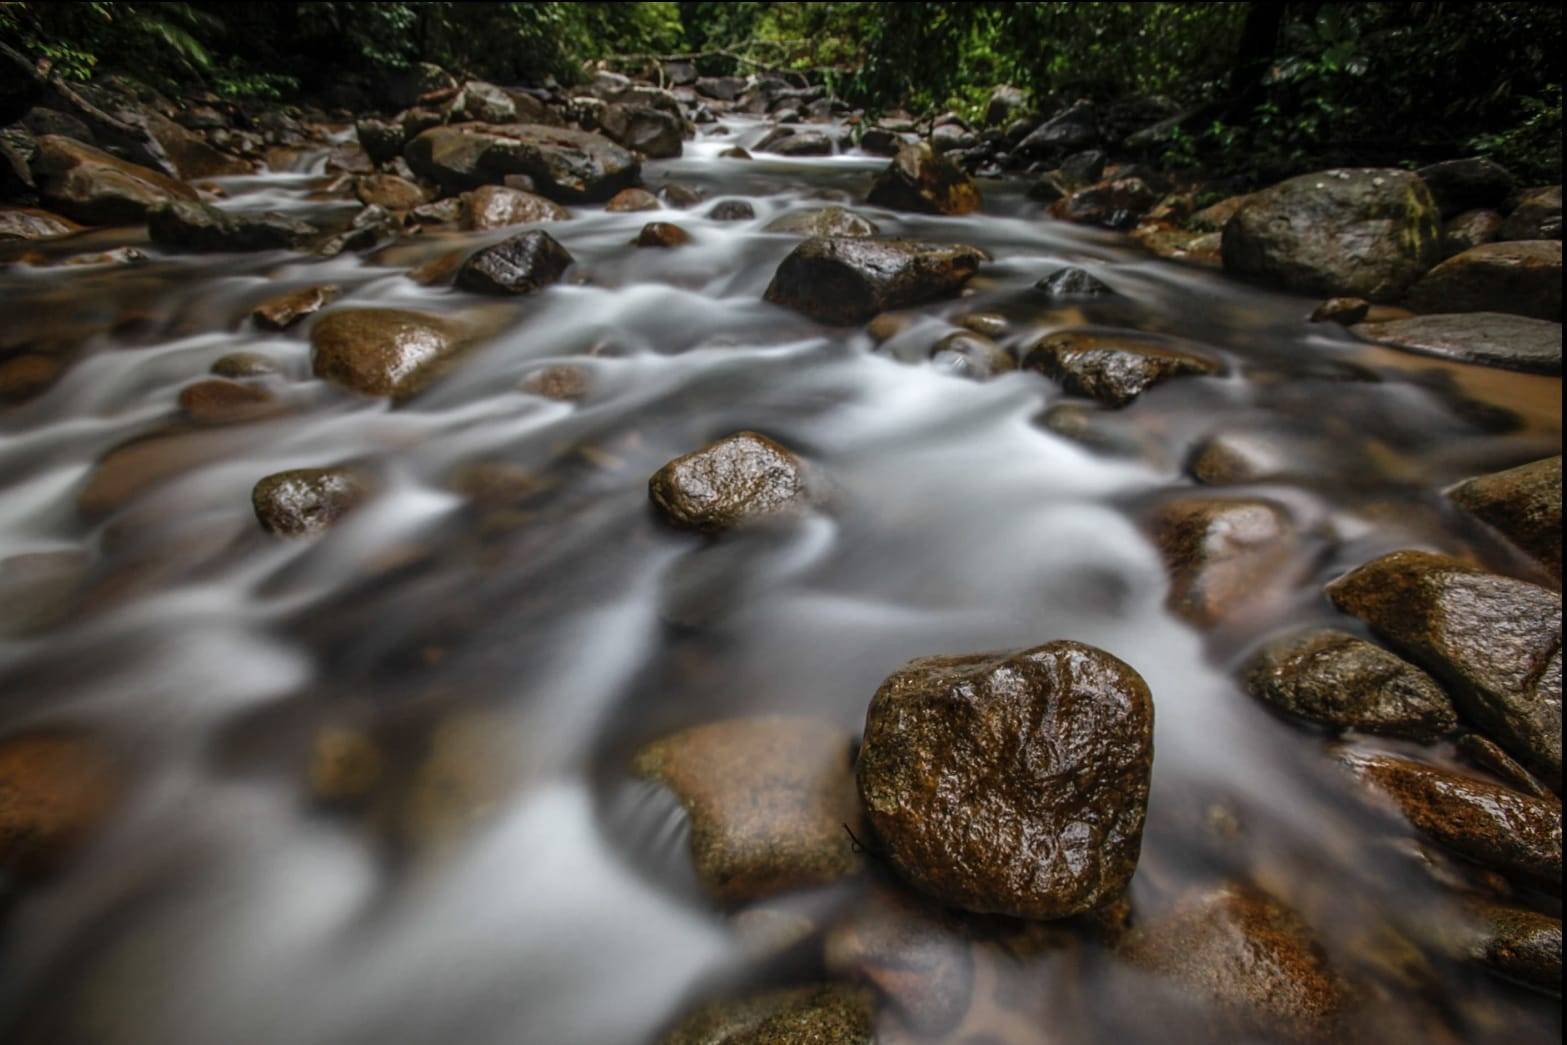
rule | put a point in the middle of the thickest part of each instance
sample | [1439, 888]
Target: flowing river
[516, 882]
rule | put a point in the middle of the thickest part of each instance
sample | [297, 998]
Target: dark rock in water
[565, 384]
[734, 152]
[911, 953]
[387, 191]
[188, 225]
[683, 197]
[522, 264]
[382, 140]
[1520, 944]
[1005, 104]
[654, 133]
[1519, 276]
[1222, 554]
[218, 402]
[383, 351]
[952, 137]
[1339, 681]
[845, 281]
[1486, 754]
[1075, 129]
[1356, 233]
[1487, 338]
[1344, 311]
[495, 207]
[1250, 958]
[565, 164]
[1112, 368]
[1495, 642]
[1113, 204]
[972, 355]
[56, 788]
[1072, 283]
[1083, 168]
[628, 201]
[1524, 503]
[732, 210]
[93, 187]
[1537, 216]
[1460, 185]
[306, 501]
[768, 800]
[32, 223]
[824, 1015]
[879, 141]
[245, 364]
[1486, 823]
[799, 143]
[918, 179]
[723, 88]
[662, 234]
[1470, 229]
[1011, 783]
[823, 221]
[283, 311]
[738, 479]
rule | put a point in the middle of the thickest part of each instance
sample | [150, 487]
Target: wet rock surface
[1011, 783]
[382, 351]
[1524, 504]
[825, 221]
[770, 800]
[843, 281]
[1221, 553]
[1480, 821]
[738, 479]
[495, 206]
[56, 788]
[1336, 680]
[94, 187]
[1537, 216]
[1520, 944]
[218, 402]
[1252, 959]
[1113, 368]
[1493, 641]
[1072, 283]
[1487, 338]
[565, 164]
[523, 264]
[306, 501]
[662, 234]
[283, 311]
[188, 225]
[918, 179]
[1522, 277]
[826, 1015]
[1359, 233]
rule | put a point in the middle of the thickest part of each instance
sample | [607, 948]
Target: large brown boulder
[192, 157]
[1496, 339]
[1494, 641]
[189, 225]
[1524, 503]
[768, 800]
[654, 133]
[1518, 943]
[1520, 276]
[737, 479]
[1367, 233]
[495, 206]
[1486, 823]
[306, 501]
[384, 351]
[1011, 783]
[91, 186]
[920, 179]
[32, 223]
[1114, 368]
[842, 281]
[1339, 681]
[1251, 959]
[565, 164]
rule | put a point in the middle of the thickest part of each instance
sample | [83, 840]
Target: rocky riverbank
[990, 814]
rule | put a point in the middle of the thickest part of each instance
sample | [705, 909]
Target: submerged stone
[1113, 368]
